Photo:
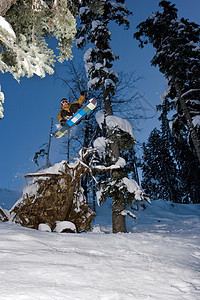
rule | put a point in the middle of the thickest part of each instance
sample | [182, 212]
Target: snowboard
[92, 103]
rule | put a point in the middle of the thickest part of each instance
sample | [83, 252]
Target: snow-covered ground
[158, 259]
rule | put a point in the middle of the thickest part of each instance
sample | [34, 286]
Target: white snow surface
[100, 118]
[131, 184]
[6, 27]
[55, 169]
[158, 259]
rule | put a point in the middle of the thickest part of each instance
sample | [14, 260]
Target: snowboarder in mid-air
[72, 114]
[69, 109]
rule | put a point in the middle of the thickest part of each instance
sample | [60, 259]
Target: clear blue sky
[30, 105]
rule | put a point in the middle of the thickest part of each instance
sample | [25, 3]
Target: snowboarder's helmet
[64, 100]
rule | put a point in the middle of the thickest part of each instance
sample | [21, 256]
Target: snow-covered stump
[55, 195]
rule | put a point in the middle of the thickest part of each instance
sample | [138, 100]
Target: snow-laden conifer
[117, 134]
[177, 55]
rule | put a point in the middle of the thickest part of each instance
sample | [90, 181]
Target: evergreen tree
[94, 29]
[159, 169]
[98, 62]
[178, 57]
[170, 170]
[188, 171]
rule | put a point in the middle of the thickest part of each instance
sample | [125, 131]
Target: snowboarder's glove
[83, 93]
[62, 122]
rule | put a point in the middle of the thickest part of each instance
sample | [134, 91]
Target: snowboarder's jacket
[70, 108]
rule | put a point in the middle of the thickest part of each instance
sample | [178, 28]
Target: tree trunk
[118, 221]
[118, 201]
[192, 130]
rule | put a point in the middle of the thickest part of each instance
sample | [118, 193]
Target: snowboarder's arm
[59, 117]
[81, 99]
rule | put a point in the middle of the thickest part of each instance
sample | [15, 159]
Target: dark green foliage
[170, 170]
[94, 29]
[188, 171]
[99, 58]
[159, 169]
[26, 51]
[176, 43]
[170, 167]
[178, 57]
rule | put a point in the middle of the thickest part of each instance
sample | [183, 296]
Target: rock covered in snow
[44, 227]
[65, 226]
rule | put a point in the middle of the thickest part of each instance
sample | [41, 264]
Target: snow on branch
[126, 212]
[196, 121]
[73, 172]
[1, 104]
[6, 28]
[30, 59]
[120, 163]
[190, 91]
[114, 122]
[132, 187]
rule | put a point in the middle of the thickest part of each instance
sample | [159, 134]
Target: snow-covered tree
[159, 170]
[178, 56]
[99, 58]
[170, 170]
[188, 171]
[25, 26]
[117, 184]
